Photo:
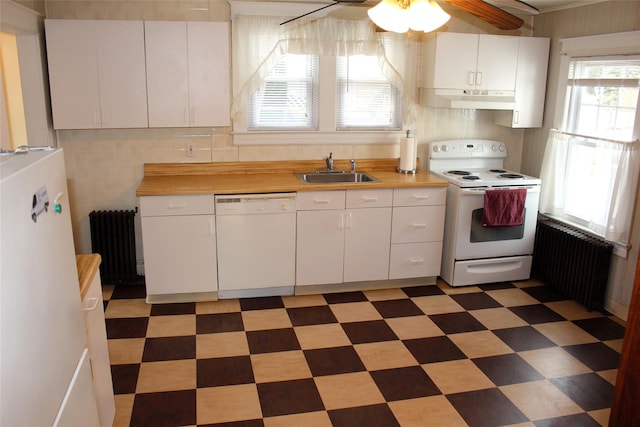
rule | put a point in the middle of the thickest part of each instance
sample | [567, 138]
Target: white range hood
[457, 98]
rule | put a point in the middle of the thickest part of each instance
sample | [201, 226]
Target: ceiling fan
[481, 9]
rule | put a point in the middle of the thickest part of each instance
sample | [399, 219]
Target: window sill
[619, 249]
[316, 138]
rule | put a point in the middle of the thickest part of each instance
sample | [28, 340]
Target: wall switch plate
[190, 150]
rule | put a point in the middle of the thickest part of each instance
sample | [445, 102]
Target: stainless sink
[339, 177]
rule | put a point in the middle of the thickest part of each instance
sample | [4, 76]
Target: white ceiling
[542, 5]
[507, 5]
[355, 8]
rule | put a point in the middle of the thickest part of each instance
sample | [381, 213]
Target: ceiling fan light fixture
[401, 15]
[390, 16]
[426, 15]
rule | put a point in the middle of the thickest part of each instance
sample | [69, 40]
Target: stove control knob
[436, 148]
[502, 147]
[444, 148]
[494, 147]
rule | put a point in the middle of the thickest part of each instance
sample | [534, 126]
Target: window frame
[311, 88]
[598, 47]
[342, 87]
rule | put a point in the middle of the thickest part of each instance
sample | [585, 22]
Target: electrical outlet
[190, 150]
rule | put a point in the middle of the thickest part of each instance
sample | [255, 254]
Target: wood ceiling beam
[489, 13]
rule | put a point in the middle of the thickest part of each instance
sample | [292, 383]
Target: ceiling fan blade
[489, 13]
[321, 8]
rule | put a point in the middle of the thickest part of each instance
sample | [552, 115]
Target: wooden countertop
[269, 177]
[88, 266]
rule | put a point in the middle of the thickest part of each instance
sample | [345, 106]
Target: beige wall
[602, 18]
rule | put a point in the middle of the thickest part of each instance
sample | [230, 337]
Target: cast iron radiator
[572, 261]
[113, 237]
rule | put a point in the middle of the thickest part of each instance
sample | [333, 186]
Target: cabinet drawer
[200, 204]
[374, 198]
[320, 200]
[415, 260]
[419, 196]
[417, 224]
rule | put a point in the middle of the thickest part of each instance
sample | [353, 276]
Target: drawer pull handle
[414, 225]
[369, 199]
[416, 261]
[421, 196]
[321, 201]
[93, 303]
[177, 205]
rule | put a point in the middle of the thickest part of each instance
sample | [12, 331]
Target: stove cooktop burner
[457, 172]
[497, 170]
[511, 176]
[471, 177]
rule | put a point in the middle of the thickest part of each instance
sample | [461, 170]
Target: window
[591, 165]
[277, 103]
[366, 100]
[602, 105]
[289, 97]
[602, 98]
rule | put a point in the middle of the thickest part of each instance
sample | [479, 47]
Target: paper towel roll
[408, 153]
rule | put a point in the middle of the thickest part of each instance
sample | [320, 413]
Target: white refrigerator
[45, 375]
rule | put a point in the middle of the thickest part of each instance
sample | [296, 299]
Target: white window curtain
[259, 42]
[615, 164]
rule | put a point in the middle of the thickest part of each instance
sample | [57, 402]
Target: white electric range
[473, 253]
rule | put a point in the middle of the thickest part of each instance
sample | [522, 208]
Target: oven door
[474, 241]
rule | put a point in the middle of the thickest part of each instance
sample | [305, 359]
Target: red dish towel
[504, 208]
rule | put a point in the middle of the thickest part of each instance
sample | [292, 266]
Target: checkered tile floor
[492, 355]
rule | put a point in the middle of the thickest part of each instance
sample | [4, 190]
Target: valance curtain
[259, 42]
[615, 163]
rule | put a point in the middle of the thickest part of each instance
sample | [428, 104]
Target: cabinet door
[97, 74]
[319, 247]
[179, 254]
[73, 74]
[455, 60]
[533, 58]
[167, 74]
[367, 243]
[92, 305]
[208, 73]
[122, 79]
[497, 62]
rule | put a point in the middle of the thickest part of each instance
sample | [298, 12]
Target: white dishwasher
[256, 239]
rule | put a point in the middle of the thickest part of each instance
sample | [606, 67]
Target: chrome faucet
[353, 166]
[329, 161]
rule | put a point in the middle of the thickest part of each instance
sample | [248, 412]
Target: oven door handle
[481, 191]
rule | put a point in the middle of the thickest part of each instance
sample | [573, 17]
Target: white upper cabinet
[187, 73]
[97, 74]
[533, 59]
[473, 62]
[486, 71]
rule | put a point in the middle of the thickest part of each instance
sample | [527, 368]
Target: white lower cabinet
[179, 242]
[343, 236]
[417, 232]
[366, 244]
[320, 247]
[95, 328]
